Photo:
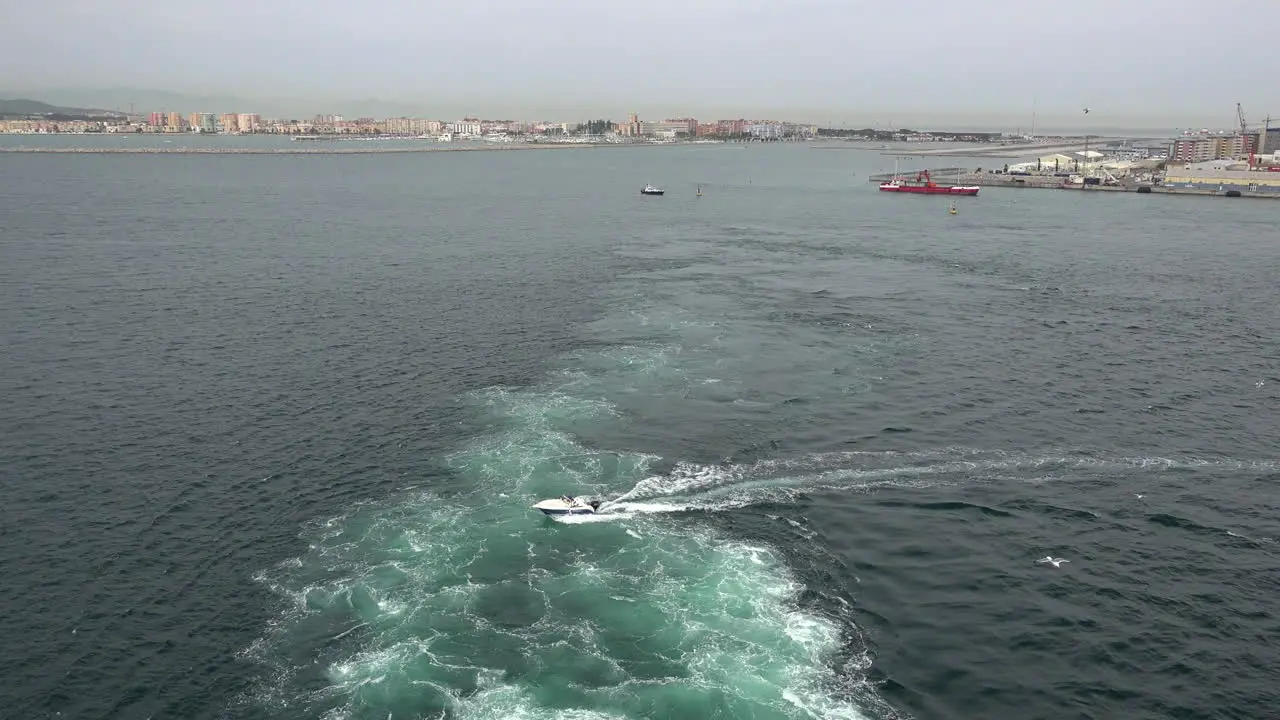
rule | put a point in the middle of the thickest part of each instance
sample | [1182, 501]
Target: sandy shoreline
[310, 151]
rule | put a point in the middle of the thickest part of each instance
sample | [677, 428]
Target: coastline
[1212, 187]
[310, 151]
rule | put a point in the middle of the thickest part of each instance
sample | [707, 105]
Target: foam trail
[710, 488]
[474, 606]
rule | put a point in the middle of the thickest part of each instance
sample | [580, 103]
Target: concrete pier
[1010, 151]
[955, 176]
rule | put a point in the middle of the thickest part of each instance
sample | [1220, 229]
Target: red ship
[924, 184]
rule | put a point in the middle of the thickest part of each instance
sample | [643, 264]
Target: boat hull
[934, 190]
[557, 512]
[653, 192]
[560, 507]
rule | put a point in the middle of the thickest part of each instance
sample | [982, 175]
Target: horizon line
[961, 121]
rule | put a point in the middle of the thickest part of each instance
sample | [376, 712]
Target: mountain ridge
[24, 107]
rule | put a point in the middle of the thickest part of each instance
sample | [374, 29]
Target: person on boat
[568, 499]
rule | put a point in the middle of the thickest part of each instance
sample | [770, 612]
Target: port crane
[1244, 137]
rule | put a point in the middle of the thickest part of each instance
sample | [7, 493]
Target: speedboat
[568, 505]
[651, 190]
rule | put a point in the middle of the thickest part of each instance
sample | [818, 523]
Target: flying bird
[1056, 562]
[1086, 111]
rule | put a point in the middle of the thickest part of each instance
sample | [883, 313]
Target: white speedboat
[567, 505]
[651, 190]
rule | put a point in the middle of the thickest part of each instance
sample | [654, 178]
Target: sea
[272, 426]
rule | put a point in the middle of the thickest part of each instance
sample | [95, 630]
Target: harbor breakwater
[1012, 151]
[957, 176]
[1058, 183]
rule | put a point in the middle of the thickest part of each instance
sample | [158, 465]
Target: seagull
[1138, 495]
[1054, 561]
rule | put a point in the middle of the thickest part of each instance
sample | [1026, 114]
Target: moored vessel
[925, 185]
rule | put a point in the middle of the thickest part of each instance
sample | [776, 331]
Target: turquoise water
[468, 603]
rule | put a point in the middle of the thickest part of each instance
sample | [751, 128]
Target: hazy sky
[1133, 62]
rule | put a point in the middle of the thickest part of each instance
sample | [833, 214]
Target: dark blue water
[272, 425]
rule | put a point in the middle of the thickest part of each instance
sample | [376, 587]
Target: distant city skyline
[148, 101]
[912, 63]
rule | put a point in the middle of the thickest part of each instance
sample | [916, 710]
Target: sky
[902, 63]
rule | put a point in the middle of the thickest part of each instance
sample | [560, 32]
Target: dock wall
[1251, 184]
[1220, 181]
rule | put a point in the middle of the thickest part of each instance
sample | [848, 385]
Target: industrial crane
[1244, 136]
[1262, 137]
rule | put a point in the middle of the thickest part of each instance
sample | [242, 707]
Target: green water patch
[473, 605]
